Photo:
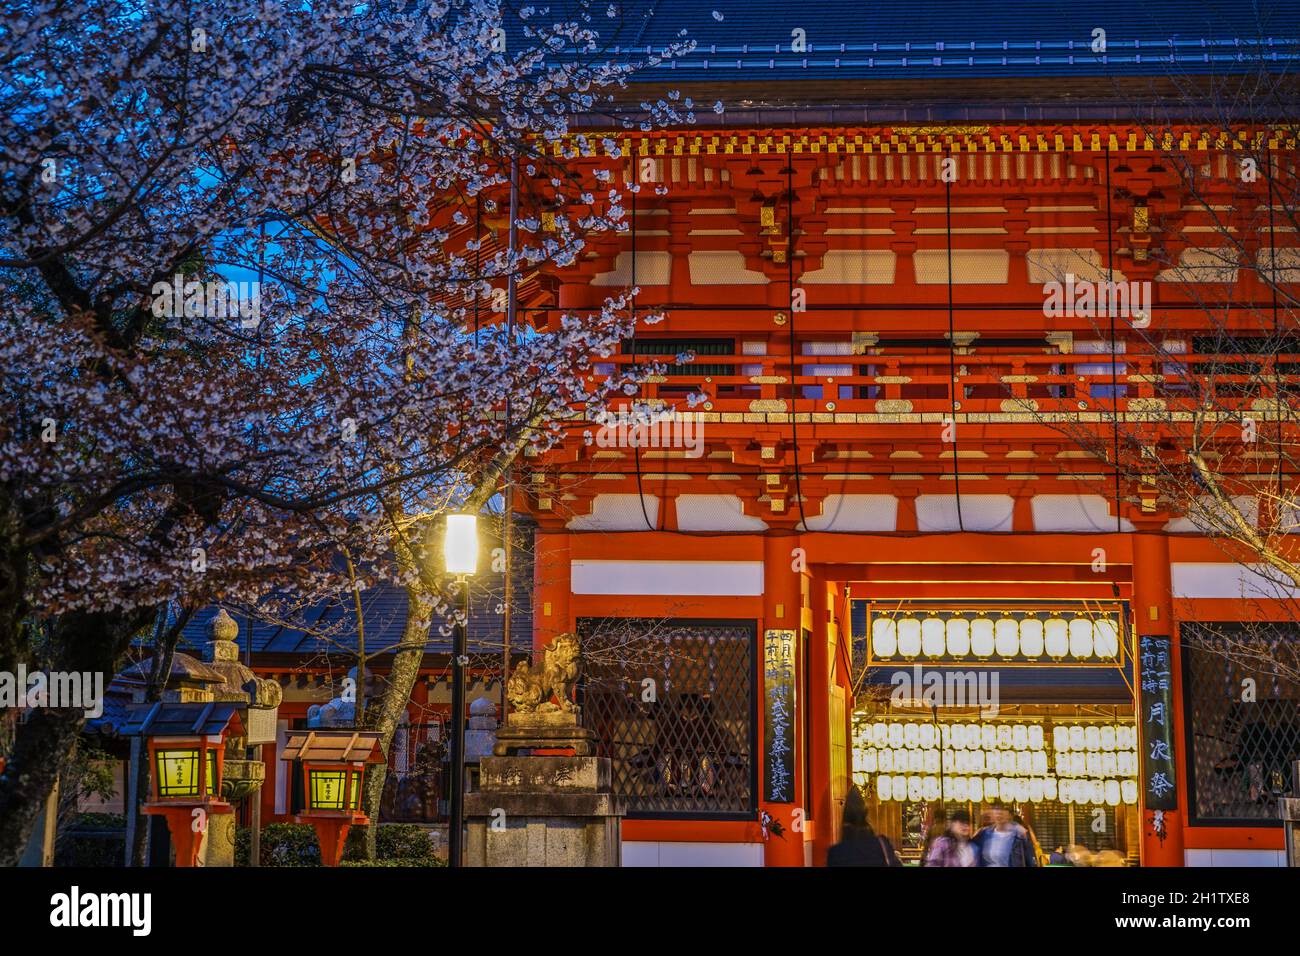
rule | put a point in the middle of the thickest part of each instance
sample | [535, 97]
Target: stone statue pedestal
[544, 810]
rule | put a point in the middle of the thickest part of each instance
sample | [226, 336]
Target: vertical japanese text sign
[1156, 723]
[778, 716]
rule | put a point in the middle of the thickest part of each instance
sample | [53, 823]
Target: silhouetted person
[859, 844]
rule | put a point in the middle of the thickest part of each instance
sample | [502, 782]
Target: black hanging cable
[952, 359]
[794, 367]
[1277, 344]
[636, 448]
[1114, 367]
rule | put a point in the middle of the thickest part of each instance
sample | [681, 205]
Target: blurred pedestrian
[953, 846]
[1004, 842]
[859, 844]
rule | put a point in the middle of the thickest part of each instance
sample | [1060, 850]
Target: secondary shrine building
[873, 520]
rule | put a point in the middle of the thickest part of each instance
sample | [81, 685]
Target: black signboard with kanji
[778, 716]
[1156, 723]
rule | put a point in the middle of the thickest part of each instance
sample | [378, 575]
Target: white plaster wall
[646, 853]
[727, 578]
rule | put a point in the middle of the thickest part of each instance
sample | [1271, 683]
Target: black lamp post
[460, 549]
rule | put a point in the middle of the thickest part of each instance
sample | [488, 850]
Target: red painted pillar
[1153, 616]
[821, 806]
[782, 611]
[552, 578]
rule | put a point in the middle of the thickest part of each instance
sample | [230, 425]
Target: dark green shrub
[283, 844]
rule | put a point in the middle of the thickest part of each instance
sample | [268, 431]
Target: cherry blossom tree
[249, 326]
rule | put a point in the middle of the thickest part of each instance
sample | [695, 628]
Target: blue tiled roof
[739, 40]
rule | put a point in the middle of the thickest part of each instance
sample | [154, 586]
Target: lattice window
[682, 744]
[1243, 718]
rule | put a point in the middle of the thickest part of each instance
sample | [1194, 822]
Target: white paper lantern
[915, 789]
[932, 637]
[884, 637]
[1107, 737]
[988, 737]
[990, 788]
[885, 787]
[885, 761]
[1038, 762]
[930, 788]
[1065, 791]
[1129, 791]
[958, 634]
[1078, 763]
[977, 761]
[1105, 639]
[1077, 737]
[929, 735]
[1024, 763]
[1125, 737]
[1006, 762]
[975, 789]
[981, 638]
[1060, 738]
[1036, 789]
[911, 736]
[960, 789]
[1081, 638]
[1056, 637]
[909, 637]
[931, 761]
[1004, 737]
[1031, 637]
[1125, 763]
[869, 764]
[896, 736]
[1035, 737]
[1093, 763]
[880, 734]
[958, 736]
[1022, 790]
[1109, 765]
[1099, 791]
[915, 761]
[1092, 737]
[1020, 737]
[1006, 637]
[1007, 788]
[1049, 788]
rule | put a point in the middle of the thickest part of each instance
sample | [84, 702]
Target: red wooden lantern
[333, 771]
[186, 747]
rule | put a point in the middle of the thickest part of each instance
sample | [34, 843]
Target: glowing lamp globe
[460, 544]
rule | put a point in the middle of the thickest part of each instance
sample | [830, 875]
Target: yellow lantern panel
[176, 771]
[327, 789]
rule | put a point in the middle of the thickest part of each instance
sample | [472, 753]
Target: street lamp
[460, 551]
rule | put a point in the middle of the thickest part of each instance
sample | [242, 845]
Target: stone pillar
[542, 809]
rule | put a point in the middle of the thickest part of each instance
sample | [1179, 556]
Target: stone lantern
[259, 701]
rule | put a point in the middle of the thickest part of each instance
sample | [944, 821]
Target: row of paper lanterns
[1081, 638]
[915, 787]
[994, 736]
[1010, 763]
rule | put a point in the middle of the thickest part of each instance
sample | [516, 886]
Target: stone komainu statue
[530, 689]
